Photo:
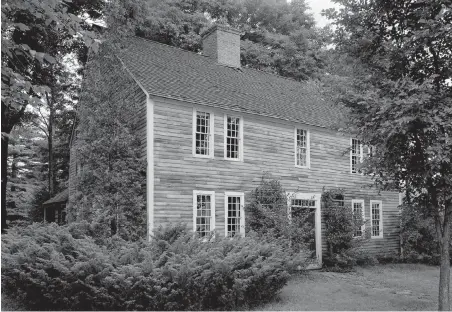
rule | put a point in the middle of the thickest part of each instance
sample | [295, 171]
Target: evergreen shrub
[51, 267]
[343, 250]
[267, 216]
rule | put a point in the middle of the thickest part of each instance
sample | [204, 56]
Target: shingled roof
[171, 72]
[58, 198]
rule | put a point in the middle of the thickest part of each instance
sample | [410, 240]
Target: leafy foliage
[112, 172]
[340, 225]
[35, 212]
[30, 30]
[277, 36]
[400, 101]
[267, 215]
[50, 267]
[25, 171]
[418, 236]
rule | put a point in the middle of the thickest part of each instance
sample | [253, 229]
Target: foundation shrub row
[51, 267]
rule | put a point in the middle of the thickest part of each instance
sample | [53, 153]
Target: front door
[304, 212]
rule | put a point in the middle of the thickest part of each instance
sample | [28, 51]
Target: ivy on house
[340, 226]
[111, 184]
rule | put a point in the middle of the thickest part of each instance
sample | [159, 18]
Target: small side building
[55, 208]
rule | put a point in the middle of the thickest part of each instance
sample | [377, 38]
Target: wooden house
[211, 129]
[54, 209]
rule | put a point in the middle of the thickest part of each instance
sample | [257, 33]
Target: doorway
[304, 213]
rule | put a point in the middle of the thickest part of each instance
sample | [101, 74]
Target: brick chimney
[222, 43]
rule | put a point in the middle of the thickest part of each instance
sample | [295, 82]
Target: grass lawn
[384, 287]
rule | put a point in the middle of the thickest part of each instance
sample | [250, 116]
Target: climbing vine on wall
[340, 226]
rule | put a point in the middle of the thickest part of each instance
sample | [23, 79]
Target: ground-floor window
[376, 218]
[234, 214]
[358, 211]
[203, 212]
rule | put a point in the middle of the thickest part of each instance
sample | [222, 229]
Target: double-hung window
[376, 218]
[302, 148]
[358, 215]
[234, 214]
[203, 212]
[356, 156]
[233, 137]
[203, 133]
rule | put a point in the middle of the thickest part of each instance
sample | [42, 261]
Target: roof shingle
[58, 198]
[171, 72]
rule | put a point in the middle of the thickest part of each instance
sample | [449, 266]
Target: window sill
[233, 159]
[376, 237]
[202, 156]
[303, 167]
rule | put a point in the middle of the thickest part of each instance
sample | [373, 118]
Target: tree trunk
[51, 131]
[5, 141]
[444, 275]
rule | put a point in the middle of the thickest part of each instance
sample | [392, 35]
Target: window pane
[233, 215]
[301, 147]
[375, 219]
[357, 215]
[233, 137]
[203, 215]
[355, 155]
[202, 133]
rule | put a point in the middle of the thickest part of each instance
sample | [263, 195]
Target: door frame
[317, 197]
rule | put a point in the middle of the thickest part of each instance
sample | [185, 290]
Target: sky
[317, 6]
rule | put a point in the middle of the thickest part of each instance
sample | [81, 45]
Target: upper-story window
[356, 156]
[203, 133]
[233, 137]
[302, 148]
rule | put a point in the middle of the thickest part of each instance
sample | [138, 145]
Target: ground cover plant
[50, 267]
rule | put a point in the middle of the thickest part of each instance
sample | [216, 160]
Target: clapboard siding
[268, 149]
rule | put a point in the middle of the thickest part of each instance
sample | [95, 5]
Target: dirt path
[389, 287]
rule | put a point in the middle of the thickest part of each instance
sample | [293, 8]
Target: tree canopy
[398, 61]
[278, 37]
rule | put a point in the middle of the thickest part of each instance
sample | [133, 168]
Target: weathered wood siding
[268, 149]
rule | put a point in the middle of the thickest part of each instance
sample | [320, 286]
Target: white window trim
[212, 134]
[240, 137]
[212, 207]
[363, 227]
[242, 211]
[360, 155]
[381, 218]
[308, 148]
[318, 221]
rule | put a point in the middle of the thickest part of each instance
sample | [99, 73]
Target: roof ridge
[168, 45]
[273, 74]
[205, 56]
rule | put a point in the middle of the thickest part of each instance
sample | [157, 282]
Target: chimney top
[222, 43]
[219, 27]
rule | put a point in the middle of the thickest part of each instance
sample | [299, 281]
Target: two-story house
[211, 129]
